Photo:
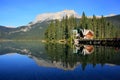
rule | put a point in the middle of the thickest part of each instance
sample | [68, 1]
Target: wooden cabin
[83, 33]
[87, 34]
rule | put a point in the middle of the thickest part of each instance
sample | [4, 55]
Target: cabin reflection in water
[83, 49]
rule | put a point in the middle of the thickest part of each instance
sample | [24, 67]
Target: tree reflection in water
[71, 56]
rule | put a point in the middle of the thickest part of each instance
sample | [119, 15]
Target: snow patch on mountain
[25, 29]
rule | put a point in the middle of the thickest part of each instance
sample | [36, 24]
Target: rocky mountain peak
[56, 15]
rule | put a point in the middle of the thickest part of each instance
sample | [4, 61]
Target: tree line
[62, 29]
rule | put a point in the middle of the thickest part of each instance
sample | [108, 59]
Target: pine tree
[83, 21]
[66, 27]
[95, 27]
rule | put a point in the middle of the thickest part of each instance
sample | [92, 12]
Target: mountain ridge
[56, 15]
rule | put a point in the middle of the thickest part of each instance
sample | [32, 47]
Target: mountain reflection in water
[63, 57]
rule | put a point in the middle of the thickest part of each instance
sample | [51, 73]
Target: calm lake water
[38, 61]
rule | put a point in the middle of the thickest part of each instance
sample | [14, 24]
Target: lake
[48, 61]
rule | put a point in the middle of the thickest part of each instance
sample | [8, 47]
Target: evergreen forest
[62, 29]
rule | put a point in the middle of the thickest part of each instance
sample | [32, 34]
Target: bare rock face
[57, 15]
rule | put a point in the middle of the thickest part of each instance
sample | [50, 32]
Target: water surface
[38, 61]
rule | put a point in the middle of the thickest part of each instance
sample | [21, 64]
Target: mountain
[114, 19]
[57, 15]
[32, 31]
[5, 30]
[35, 29]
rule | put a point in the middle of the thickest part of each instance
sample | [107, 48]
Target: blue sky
[21, 12]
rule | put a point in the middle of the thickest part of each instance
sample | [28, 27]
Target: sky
[14, 13]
